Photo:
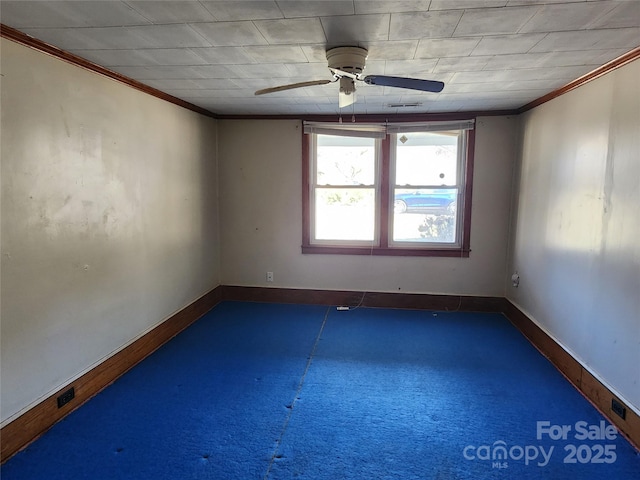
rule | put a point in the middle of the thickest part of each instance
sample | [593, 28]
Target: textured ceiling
[491, 54]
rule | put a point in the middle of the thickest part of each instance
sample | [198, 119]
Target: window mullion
[308, 166]
[467, 182]
[385, 184]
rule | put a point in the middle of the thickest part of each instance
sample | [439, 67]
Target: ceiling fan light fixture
[347, 85]
[345, 100]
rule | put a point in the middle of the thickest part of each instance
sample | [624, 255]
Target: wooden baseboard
[601, 398]
[290, 295]
[33, 423]
[365, 299]
[597, 393]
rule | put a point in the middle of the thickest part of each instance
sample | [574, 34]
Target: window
[387, 189]
[344, 204]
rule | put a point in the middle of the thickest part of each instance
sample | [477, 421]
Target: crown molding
[31, 42]
[614, 64]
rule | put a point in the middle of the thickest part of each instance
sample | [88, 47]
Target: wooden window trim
[462, 251]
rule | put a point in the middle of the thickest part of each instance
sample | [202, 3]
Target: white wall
[577, 230]
[260, 208]
[109, 220]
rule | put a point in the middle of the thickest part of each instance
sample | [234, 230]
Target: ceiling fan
[346, 65]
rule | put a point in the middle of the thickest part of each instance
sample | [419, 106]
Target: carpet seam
[296, 395]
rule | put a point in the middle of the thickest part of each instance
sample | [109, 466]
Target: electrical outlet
[269, 276]
[618, 408]
[66, 397]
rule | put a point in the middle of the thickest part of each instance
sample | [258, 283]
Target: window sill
[386, 251]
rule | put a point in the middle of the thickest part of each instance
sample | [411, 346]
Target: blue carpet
[264, 391]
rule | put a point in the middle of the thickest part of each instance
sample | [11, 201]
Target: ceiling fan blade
[291, 86]
[401, 82]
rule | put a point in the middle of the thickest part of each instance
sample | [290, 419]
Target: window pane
[427, 158]
[345, 214]
[425, 215]
[345, 160]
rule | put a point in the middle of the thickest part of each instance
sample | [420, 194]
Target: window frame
[376, 193]
[384, 207]
[459, 186]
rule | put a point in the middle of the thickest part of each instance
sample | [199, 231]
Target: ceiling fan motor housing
[347, 59]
